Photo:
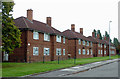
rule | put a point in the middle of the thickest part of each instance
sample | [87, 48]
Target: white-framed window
[79, 41]
[83, 51]
[91, 43]
[35, 50]
[98, 51]
[91, 52]
[87, 43]
[101, 45]
[113, 52]
[58, 51]
[105, 52]
[5, 58]
[83, 42]
[46, 51]
[79, 51]
[64, 40]
[87, 51]
[46, 37]
[63, 51]
[35, 35]
[105, 46]
[58, 38]
[101, 51]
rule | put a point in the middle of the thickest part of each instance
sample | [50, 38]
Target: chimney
[93, 34]
[98, 36]
[48, 21]
[81, 31]
[30, 14]
[73, 27]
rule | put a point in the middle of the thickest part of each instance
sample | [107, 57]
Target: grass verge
[21, 69]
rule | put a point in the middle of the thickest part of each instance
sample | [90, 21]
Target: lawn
[21, 69]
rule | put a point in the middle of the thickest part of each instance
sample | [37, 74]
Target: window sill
[35, 39]
[35, 55]
[46, 40]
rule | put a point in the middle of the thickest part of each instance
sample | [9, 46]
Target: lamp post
[109, 41]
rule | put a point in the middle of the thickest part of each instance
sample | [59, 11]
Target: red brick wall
[27, 51]
[62, 46]
[19, 54]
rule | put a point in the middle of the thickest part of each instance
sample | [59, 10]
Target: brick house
[101, 47]
[42, 42]
[79, 46]
[39, 41]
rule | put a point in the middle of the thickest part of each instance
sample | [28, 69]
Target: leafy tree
[116, 42]
[10, 33]
[107, 36]
[98, 32]
[95, 33]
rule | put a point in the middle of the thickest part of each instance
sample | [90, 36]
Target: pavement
[73, 70]
[108, 70]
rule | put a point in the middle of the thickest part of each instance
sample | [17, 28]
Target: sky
[86, 14]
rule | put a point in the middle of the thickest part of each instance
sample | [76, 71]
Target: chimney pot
[30, 14]
[73, 27]
[81, 31]
[48, 20]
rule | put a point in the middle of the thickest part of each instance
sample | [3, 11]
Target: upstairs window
[58, 51]
[64, 40]
[87, 43]
[46, 51]
[58, 38]
[83, 51]
[46, 37]
[91, 43]
[35, 35]
[101, 45]
[105, 46]
[87, 51]
[79, 51]
[35, 51]
[83, 42]
[79, 41]
[63, 51]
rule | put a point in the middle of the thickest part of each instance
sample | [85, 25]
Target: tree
[107, 36]
[95, 33]
[116, 42]
[10, 33]
[98, 32]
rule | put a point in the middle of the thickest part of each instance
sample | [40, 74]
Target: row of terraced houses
[42, 40]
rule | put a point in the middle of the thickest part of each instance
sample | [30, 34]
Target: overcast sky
[86, 14]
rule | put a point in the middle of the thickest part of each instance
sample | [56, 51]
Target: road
[109, 70]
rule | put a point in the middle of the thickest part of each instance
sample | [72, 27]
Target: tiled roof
[72, 35]
[23, 22]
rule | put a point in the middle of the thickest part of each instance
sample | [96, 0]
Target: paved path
[79, 69]
[109, 70]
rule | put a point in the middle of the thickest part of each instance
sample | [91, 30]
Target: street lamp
[109, 41]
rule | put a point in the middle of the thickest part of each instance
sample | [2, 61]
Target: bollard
[74, 60]
[29, 59]
[58, 59]
[43, 59]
